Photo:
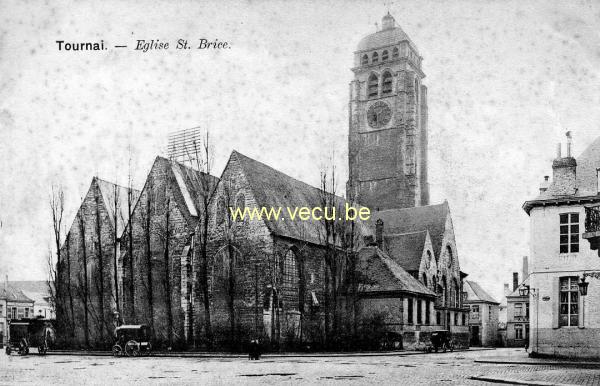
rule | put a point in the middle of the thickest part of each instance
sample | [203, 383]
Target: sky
[505, 80]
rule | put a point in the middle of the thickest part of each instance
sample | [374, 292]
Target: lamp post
[526, 290]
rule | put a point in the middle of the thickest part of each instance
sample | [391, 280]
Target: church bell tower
[388, 122]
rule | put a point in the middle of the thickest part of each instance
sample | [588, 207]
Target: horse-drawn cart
[24, 334]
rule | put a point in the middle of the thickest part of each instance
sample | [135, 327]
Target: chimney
[506, 291]
[545, 184]
[525, 268]
[515, 280]
[379, 233]
[564, 172]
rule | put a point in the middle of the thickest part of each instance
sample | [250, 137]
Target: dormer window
[373, 86]
[364, 60]
[384, 56]
[395, 53]
[386, 87]
[375, 57]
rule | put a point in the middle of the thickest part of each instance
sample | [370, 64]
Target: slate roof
[409, 220]
[12, 294]
[109, 190]
[37, 290]
[272, 188]
[382, 274]
[188, 182]
[406, 248]
[477, 294]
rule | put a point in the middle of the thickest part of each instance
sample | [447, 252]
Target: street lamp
[583, 286]
[526, 290]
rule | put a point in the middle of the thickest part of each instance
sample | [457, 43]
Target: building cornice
[567, 200]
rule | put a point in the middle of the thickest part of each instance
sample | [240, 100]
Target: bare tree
[116, 203]
[56, 269]
[100, 276]
[83, 284]
[203, 158]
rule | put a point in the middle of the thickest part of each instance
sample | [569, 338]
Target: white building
[563, 322]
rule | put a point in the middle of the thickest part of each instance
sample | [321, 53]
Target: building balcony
[592, 226]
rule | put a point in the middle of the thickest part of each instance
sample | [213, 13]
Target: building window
[1, 310]
[427, 308]
[364, 60]
[489, 312]
[395, 53]
[425, 279]
[518, 309]
[527, 310]
[240, 203]
[26, 312]
[20, 313]
[438, 318]
[475, 309]
[518, 331]
[386, 87]
[419, 311]
[569, 232]
[291, 279]
[384, 56]
[410, 311]
[456, 318]
[464, 320]
[13, 314]
[449, 250]
[569, 302]
[373, 86]
[375, 57]
[221, 211]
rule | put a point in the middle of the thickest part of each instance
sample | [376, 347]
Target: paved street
[424, 369]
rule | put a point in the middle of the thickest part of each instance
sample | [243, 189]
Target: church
[385, 282]
[399, 273]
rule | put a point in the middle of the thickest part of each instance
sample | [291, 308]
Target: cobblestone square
[458, 368]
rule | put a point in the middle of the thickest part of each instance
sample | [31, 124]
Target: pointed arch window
[375, 57]
[384, 56]
[291, 280]
[395, 53]
[364, 60]
[425, 279]
[240, 203]
[373, 85]
[386, 86]
[221, 211]
[450, 257]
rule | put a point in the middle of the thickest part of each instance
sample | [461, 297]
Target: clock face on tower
[379, 114]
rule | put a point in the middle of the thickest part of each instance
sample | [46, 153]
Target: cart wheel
[132, 349]
[117, 351]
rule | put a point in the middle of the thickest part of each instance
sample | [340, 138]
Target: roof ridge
[406, 233]
[117, 185]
